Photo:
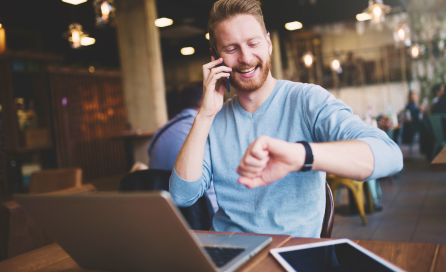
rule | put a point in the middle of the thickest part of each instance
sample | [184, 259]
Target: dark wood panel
[439, 163]
[89, 116]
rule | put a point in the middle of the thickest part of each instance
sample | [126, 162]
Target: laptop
[135, 232]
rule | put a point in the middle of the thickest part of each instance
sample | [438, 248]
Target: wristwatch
[308, 164]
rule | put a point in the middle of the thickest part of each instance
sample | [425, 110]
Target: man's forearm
[189, 163]
[351, 159]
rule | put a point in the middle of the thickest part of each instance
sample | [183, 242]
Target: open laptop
[135, 232]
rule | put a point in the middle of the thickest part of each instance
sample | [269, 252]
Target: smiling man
[269, 147]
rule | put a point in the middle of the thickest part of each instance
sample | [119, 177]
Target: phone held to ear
[216, 57]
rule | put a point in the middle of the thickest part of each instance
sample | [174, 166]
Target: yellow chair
[357, 189]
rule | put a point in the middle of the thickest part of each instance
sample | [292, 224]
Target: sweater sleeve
[186, 193]
[330, 119]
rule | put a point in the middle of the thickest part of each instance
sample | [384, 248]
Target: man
[438, 91]
[166, 143]
[249, 143]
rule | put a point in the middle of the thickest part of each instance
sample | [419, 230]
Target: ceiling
[52, 17]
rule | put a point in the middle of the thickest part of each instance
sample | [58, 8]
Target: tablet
[334, 255]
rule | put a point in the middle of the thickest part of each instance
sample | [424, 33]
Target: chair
[327, 224]
[199, 215]
[356, 187]
[46, 181]
[437, 131]
[19, 233]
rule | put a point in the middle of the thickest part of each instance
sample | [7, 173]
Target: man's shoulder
[302, 91]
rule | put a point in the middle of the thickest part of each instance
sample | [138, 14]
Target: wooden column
[142, 69]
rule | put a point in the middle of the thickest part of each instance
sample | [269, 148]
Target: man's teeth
[247, 71]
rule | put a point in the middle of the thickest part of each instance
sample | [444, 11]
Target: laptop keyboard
[223, 255]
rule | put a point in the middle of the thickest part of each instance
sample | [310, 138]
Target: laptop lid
[124, 232]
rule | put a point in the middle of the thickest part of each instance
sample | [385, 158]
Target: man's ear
[270, 45]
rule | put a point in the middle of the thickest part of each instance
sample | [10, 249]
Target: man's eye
[230, 50]
[253, 44]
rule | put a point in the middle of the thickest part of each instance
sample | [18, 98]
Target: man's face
[244, 47]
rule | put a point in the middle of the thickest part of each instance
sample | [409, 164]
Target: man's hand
[212, 97]
[267, 160]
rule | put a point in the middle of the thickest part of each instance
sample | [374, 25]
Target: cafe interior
[87, 85]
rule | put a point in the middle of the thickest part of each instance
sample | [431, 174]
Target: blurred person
[412, 120]
[437, 91]
[260, 146]
[166, 143]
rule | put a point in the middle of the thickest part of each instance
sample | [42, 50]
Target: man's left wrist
[308, 157]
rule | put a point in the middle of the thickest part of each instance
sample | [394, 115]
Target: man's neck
[253, 100]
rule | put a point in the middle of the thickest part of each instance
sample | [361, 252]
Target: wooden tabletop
[408, 256]
[439, 163]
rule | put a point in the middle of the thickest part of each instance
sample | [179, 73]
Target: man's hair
[227, 9]
[191, 95]
[436, 88]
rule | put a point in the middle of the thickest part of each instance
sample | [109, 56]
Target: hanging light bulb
[336, 65]
[415, 51]
[376, 11]
[308, 59]
[401, 35]
[77, 37]
[105, 12]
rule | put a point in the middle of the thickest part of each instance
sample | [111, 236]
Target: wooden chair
[327, 225]
[19, 233]
[46, 181]
[356, 187]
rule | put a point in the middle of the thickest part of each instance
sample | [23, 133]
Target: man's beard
[249, 84]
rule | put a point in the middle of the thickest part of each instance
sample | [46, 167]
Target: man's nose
[245, 56]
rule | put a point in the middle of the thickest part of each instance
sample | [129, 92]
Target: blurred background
[86, 84]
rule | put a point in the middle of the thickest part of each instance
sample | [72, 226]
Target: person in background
[412, 119]
[437, 91]
[166, 143]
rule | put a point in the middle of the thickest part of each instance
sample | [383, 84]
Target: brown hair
[226, 9]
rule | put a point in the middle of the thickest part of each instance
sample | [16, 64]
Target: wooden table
[408, 256]
[439, 163]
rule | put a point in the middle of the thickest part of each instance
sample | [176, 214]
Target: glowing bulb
[377, 11]
[308, 59]
[105, 9]
[85, 41]
[163, 22]
[363, 17]
[335, 65]
[401, 34]
[1, 25]
[91, 69]
[415, 51]
[75, 36]
[207, 36]
[74, 2]
[293, 25]
[187, 51]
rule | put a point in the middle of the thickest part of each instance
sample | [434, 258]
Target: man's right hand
[213, 97]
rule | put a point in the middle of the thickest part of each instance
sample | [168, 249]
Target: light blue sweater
[295, 204]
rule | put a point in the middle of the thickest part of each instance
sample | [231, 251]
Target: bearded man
[269, 147]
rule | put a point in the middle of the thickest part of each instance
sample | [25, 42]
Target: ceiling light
[86, 41]
[75, 35]
[74, 2]
[187, 51]
[336, 65]
[377, 10]
[308, 59]
[1, 25]
[293, 25]
[163, 22]
[207, 36]
[105, 12]
[91, 69]
[363, 17]
[415, 51]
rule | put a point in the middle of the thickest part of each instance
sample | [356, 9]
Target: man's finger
[251, 182]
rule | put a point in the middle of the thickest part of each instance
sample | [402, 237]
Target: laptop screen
[338, 257]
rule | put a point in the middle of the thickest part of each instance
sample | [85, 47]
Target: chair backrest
[437, 126]
[199, 215]
[19, 233]
[46, 181]
[327, 224]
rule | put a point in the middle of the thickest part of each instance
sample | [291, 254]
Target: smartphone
[216, 57]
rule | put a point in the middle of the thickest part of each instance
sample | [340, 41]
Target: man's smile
[248, 72]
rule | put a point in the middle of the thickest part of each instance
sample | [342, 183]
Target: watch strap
[308, 164]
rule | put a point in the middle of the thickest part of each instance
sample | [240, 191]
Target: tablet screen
[338, 257]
